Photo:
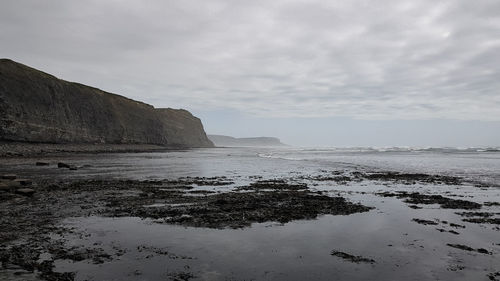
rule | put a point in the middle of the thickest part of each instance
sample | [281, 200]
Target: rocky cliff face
[38, 107]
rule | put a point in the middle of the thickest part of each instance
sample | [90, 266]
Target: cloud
[359, 59]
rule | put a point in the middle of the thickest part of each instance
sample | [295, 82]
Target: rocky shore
[23, 149]
[31, 212]
[33, 216]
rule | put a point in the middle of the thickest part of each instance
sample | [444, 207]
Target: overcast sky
[330, 73]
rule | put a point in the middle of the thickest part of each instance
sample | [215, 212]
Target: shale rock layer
[38, 107]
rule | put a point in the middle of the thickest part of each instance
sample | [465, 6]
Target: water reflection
[300, 250]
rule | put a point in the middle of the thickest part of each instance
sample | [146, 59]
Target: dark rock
[230, 209]
[483, 220]
[202, 192]
[11, 183]
[241, 209]
[23, 182]
[444, 202]
[461, 247]
[202, 181]
[351, 258]
[336, 178]
[25, 191]
[425, 222]
[40, 163]
[409, 178]
[5, 187]
[450, 231]
[493, 276]
[9, 177]
[38, 107]
[275, 184]
[27, 257]
[479, 217]
[483, 251]
[491, 204]
[63, 165]
[181, 276]
[467, 248]
[475, 214]
[455, 267]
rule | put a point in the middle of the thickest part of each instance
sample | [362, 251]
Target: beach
[253, 214]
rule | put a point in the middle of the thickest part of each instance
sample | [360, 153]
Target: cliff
[220, 140]
[38, 107]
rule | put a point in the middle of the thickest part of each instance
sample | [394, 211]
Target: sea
[474, 164]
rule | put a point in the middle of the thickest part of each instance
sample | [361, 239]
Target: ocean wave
[375, 149]
[273, 156]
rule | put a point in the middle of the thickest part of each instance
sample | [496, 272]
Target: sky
[313, 73]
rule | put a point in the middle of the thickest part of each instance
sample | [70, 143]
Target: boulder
[63, 165]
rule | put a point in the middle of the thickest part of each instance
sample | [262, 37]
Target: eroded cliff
[38, 107]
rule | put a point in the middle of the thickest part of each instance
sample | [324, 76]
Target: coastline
[31, 149]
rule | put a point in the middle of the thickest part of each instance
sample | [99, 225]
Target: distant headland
[220, 140]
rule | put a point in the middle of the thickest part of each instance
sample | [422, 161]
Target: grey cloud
[359, 59]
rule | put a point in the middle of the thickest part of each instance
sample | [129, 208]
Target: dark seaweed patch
[412, 178]
[351, 258]
[494, 276]
[467, 248]
[424, 222]
[275, 184]
[425, 199]
[489, 204]
[483, 220]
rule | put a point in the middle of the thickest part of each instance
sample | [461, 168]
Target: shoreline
[28, 149]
